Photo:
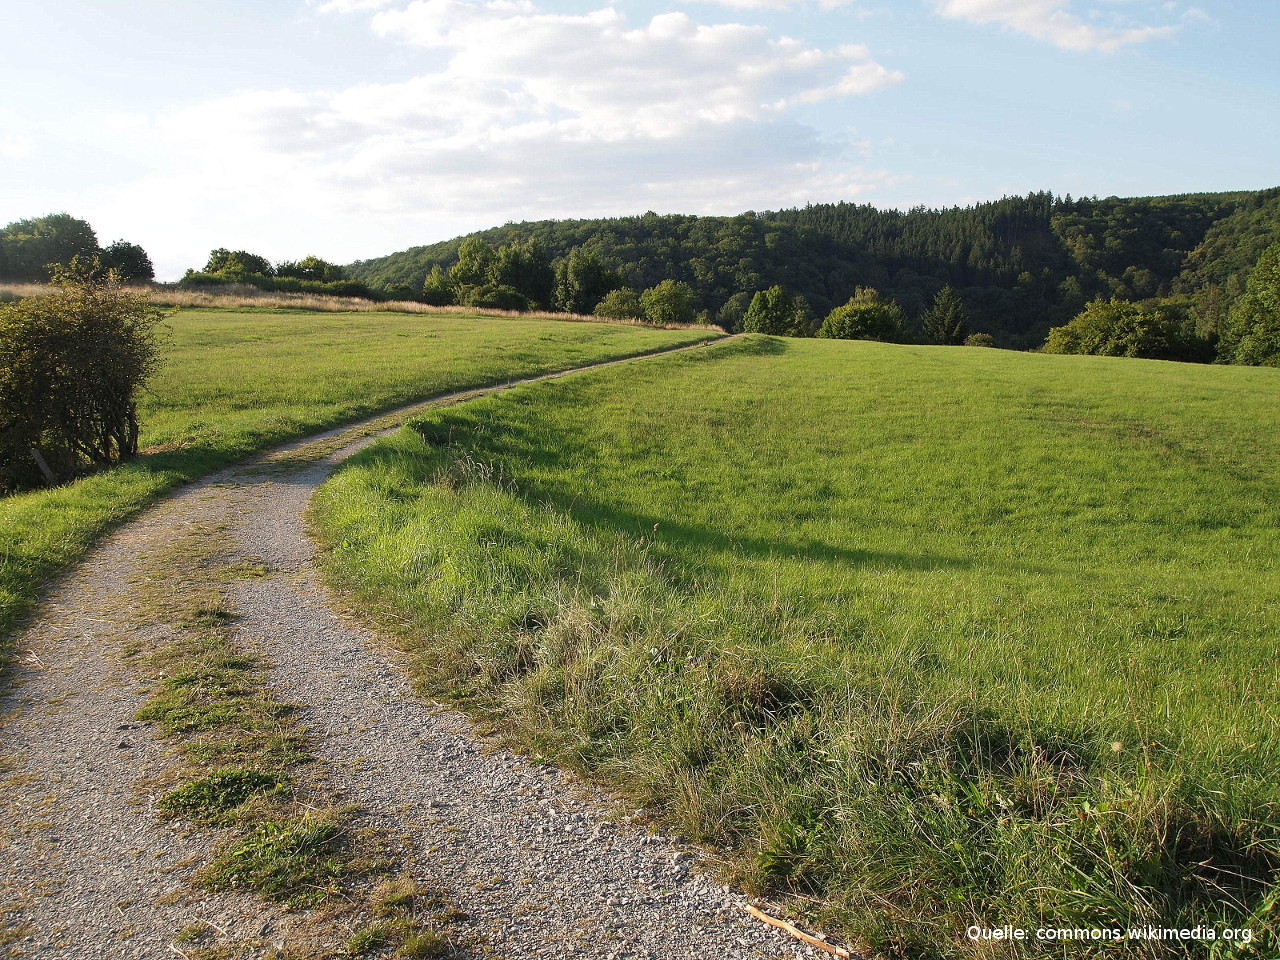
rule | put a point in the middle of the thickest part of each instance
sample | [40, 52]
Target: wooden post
[44, 468]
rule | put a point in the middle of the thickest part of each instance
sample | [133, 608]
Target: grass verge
[929, 638]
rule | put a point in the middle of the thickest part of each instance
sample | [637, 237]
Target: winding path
[541, 866]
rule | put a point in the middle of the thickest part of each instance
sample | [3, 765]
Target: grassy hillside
[929, 637]
[238, 381]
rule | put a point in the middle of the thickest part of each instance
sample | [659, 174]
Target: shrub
[1119, 328]
[980, 340]
[492, 296]
[621, 304]
[867, 316]
[671, 301]
[776, 311]
[71, 364]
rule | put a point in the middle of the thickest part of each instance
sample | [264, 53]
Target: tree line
[1021, 266]
[32, 250]
[308, 275]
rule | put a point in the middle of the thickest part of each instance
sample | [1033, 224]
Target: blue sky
[353, 128]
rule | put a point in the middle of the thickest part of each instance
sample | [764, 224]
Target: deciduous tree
[237, 263]
[671, 301]
[621, 304]
[1252, 333]
[28, 248]
[775, 311]
[129, 261]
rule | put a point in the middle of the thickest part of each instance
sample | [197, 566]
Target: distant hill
[1021, 264]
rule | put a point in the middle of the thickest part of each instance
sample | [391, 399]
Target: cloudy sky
[354, 128]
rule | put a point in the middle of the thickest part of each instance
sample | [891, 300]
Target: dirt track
[541, 867]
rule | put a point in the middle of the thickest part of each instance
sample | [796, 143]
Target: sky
[349, 129]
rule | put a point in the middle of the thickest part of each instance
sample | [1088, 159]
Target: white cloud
[352, 6]
[515, 114]
[526, 115]
[1052, 21]
[16, 146]
[598, 77]
[776, 4]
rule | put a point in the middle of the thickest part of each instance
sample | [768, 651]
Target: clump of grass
[928, 638]
[214, 798]
[410, 918]
[297, 861]
[375, 936]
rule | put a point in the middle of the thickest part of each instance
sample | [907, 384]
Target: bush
[1119, 328]
[671, 301]
[621, 304]
[492, 296]
[71, 364]
[867, 316]
[775, 311]
[980, 340]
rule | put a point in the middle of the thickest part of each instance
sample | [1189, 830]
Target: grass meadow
[925, 637]
[238, 381]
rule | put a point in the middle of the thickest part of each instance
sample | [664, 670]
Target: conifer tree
[945, 322]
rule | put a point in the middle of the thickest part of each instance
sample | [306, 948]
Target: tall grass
[929, 637]
[241, 296]
[236, 382]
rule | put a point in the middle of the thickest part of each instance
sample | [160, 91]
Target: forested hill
[1020, 264]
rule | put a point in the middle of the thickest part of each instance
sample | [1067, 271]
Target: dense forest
[1019, 265]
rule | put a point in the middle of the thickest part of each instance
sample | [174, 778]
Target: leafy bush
[622, 304]
[777, 312]
[1118, 328]
[492, 296]
[71, 365]
[980, 340]
[671, 301]
[867, 316]
[311, 268]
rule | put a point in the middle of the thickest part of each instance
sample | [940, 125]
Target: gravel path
[542, 867]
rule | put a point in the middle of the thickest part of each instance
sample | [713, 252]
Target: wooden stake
[44, 467]
[799, 935]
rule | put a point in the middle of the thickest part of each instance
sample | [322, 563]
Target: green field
[926, 636]
[239, 381]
